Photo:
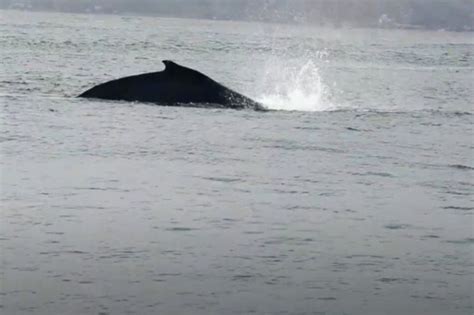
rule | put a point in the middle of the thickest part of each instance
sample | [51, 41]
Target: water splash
[297, 86]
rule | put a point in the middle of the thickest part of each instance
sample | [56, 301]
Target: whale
[176, 85]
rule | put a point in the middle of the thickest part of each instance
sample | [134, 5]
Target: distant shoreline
[342, 25]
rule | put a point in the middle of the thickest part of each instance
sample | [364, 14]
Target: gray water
[354, 197]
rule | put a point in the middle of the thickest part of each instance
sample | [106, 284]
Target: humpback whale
[174, 86]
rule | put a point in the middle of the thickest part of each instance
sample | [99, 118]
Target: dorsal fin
[170, 65]
[173, 68]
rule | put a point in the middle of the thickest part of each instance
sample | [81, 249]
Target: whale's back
[172, 86]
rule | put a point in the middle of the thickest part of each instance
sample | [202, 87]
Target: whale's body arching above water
[174, 86]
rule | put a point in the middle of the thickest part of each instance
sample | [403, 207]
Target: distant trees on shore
[432, 14]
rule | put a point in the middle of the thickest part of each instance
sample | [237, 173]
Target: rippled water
[354, 198]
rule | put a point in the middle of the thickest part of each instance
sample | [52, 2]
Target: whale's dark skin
[174, 86]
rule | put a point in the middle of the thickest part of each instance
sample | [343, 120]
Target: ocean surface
[353, 196]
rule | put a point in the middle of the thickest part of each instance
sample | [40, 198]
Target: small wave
[461, 167]
[294, 147]
[397, 111]
[458, 208]
[395, 280]
[466, 241]
[180, 229]
[381, 174]
[221, 179]
[245, 277]
[397, 226]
